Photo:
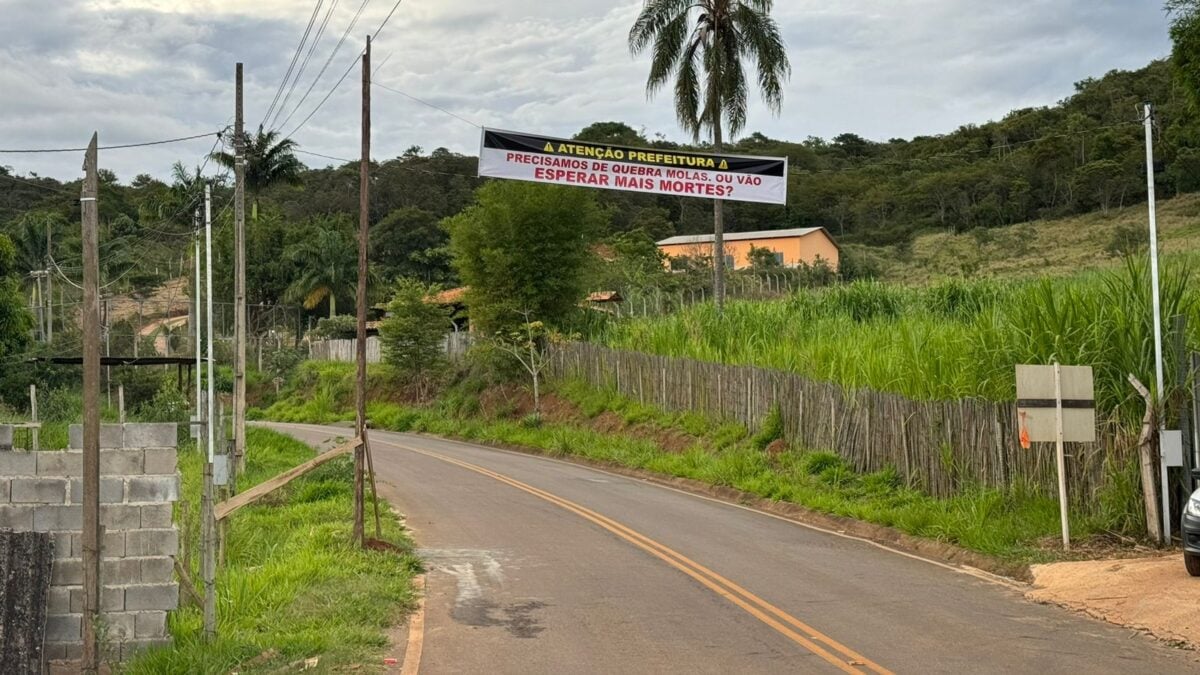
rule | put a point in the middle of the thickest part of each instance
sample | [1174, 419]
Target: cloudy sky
[141, 70]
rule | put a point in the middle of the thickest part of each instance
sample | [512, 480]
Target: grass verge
[293, 587]
[1009, 525]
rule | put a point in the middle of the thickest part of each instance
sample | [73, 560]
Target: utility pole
[239, 281]
[208, 526]
[364, 187]
[91, 409]
[49, 290]
[1160, 393]
[199, 341]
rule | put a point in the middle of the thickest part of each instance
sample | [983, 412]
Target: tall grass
[954, 339]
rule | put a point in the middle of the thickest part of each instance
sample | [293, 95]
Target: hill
[1056, 247]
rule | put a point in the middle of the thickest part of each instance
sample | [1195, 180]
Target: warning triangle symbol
[549, 147]
[724, 164]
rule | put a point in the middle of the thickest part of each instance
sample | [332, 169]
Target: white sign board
[1036, 404]
[541, 159]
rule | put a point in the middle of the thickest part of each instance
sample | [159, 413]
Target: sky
[146, 70]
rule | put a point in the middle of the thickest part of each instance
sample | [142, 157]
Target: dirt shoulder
[1154, 595]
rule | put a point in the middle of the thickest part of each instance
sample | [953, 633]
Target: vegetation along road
[542, 566]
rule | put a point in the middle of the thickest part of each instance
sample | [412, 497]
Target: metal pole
[212, 363]
[209, 550]
[199, 325]
[33, 415]
[1158, 359]
[91, 410]
[239, 281]
[364, 177]
[1060, 457]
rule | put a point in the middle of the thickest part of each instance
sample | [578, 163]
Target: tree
[723, 33]
[269, 161]
[327, 260]
[612, 133]
[524, 246]
[1185, 52]
[413, 332]
[410, 242]
[15, 321]
[527, 344]
[763, 259]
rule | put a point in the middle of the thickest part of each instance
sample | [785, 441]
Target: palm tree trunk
[718, 225]
[254, 209]
[332, 305]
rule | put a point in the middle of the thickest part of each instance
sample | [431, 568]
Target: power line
[346, 74]
[111, 147]
[431, 105]
[332, 55]
[312, 47]
[291, 67]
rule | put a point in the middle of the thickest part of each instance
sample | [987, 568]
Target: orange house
[791, 247]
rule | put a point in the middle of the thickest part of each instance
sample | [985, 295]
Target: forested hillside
[1082, 155]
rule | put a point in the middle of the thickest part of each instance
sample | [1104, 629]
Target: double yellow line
[837, 654]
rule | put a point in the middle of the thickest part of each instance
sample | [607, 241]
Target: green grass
[1059, 247]
[1004, 524]
[955, 339]
[292, 583]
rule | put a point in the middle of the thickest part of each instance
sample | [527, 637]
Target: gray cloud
[147, 69]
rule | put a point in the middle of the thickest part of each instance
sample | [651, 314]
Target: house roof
[742, 236]
[451, 296]
[605, 296]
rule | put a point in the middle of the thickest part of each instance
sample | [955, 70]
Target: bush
[344, 327]
[772, 429]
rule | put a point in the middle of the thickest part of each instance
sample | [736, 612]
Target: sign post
[542, 159]
[1057, 404]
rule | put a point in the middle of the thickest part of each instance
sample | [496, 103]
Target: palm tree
[327, 259]
[701, 44]
[269, 161]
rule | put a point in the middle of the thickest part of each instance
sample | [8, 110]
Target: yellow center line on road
[834, 652]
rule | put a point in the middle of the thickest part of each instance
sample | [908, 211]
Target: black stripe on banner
[1073, 404]
[514, 142]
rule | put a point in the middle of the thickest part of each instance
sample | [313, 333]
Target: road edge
[1013, 575]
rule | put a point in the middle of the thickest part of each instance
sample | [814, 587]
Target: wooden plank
[229, 506]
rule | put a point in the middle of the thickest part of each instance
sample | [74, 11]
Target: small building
[791, 247]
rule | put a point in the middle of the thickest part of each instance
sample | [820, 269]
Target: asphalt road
[542, 566]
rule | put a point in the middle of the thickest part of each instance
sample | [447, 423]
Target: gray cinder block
[57, 518]
[151, 596]
[16, 463]
[59, 464]
[161, 461]
[147, 543]
[146, 435]
[39, 490]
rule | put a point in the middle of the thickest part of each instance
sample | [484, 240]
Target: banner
[506, 154]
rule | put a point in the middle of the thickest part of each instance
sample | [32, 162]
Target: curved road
[542, 566]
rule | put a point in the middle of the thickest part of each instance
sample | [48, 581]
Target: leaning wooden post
[91, 410]
[1146, 455]
[33, 415]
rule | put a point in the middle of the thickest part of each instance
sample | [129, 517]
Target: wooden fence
[455, 345]
[940, 447]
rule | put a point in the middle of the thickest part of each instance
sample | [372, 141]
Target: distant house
[791, 247]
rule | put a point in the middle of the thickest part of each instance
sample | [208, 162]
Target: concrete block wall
[139, 483]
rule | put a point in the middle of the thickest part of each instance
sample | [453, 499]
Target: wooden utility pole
[91, 409]
[364, 193]
[49, 290]
[239, 282]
